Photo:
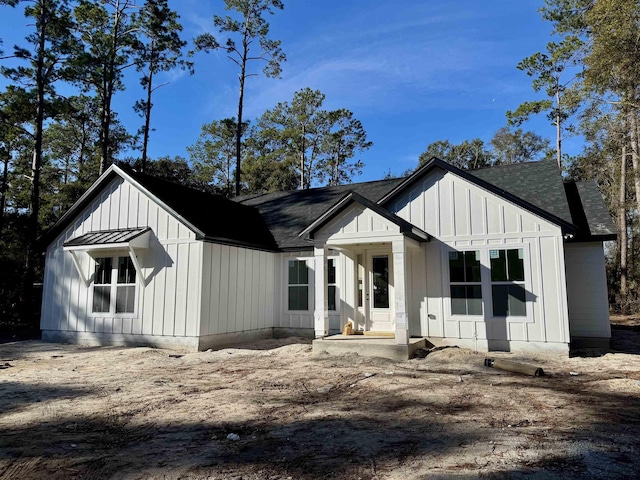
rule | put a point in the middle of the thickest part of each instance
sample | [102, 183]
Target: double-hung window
[465, 283]
[298, 282]
[508, 293]
[114, 285]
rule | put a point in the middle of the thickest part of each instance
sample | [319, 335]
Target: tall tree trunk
[147, 111]
[243, 76]
[36, 165]
[147, 122]
[108, 86]
[635, 154]
[3, 189]
[302, 159]
[622, 226]
[239, 131]
[558, 129]
[104, 136]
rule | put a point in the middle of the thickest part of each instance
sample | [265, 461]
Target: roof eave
[97, 186]
[567, 228]
[593, 238]
[238, 243]
[406, 228]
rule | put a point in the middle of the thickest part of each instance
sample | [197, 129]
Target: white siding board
[207, 290]
[493, 218]
[161, 305]
[452, 329]
[467, 329]
[241, 298]
[170, 289]
[462, 218]
[194, 289]
[256, 319]
[223, 308]
[478, 213]
[294, 319]
[158, 302]
[551, 287]
[511, 221]
[232, 317]
[214, 297]
[587, 290]
[470, 217]
[445, 207]
[517, 331]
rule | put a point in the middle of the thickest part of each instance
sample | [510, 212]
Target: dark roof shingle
[289, 213]
[217, 218]
[538, 183]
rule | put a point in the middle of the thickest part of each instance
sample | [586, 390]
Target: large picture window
[508, 292]
[465, 283]
[298, 280]
[114, 285]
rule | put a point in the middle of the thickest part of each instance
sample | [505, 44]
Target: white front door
[380, 291]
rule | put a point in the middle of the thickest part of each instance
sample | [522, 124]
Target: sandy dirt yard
[273, 410]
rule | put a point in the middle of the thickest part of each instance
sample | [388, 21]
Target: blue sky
[412, 71]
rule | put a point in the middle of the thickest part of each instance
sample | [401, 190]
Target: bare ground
[79, 412]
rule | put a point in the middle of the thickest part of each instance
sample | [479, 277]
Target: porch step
[375, 334]
[380, 334]
[367, 346]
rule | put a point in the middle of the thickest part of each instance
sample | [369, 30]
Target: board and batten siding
[587, 290]
[459, 215]
[293, 320]
[168, 304]
[238, 290]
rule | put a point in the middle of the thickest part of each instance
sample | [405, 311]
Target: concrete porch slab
[368, 346]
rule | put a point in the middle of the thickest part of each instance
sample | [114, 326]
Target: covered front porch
[377, 249]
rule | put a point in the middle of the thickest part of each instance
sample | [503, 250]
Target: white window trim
[114, 289]
[336, 284]
[485, 277]
[310, 285]
[446, 285]
[528, 318]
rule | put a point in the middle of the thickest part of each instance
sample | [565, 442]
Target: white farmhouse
[504, 258]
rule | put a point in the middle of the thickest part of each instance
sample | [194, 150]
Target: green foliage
[468, 155]
[341, 144]
[317, 144]
[517, 146]
[553, 72]
[248, 41]
[158, 49]
[506, 147]
[176, 170]
[109, 38]
[213, 155]
[614, 61]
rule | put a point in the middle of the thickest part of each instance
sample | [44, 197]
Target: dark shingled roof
[212, 217]
[217, 218]
[538, 183]
[289, 213]
[274, 221]
[589, 211]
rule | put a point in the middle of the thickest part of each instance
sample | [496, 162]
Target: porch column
[321, 311]
[400, 285]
